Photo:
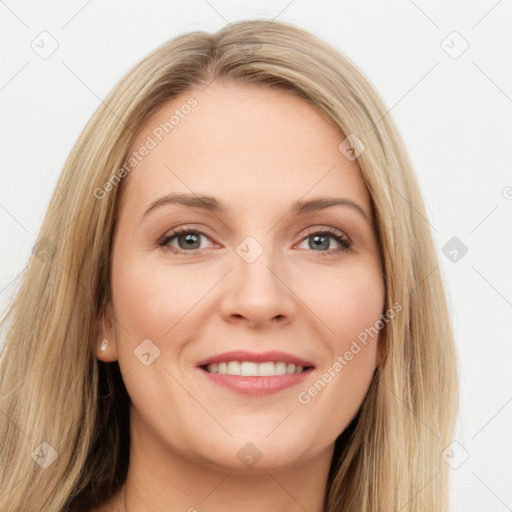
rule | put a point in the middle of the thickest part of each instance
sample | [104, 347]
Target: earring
[104, 344]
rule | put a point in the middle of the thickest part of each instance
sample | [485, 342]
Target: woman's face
[262, 267]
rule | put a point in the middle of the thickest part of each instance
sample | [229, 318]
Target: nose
[258, 295]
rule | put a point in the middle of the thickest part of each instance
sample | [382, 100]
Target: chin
[257, 453]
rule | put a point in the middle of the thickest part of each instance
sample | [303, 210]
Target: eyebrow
[214, 205]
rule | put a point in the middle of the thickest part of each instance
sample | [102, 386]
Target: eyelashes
[318, 235]
[325, 233]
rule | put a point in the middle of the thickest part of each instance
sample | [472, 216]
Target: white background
[454, 113]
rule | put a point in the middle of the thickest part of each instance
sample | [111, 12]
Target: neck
[160, 478]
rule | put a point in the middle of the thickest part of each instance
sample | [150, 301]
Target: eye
[188, 240]
[319, 239]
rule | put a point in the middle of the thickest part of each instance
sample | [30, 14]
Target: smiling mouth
[253, 369]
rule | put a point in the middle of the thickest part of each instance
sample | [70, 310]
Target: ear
[106, 352]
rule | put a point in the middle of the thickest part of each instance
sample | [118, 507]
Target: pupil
[194, 238]
[318, 243]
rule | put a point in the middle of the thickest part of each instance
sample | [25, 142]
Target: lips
[256, 357]
[271, 381]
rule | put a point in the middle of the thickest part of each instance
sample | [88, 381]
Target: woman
[234, 300]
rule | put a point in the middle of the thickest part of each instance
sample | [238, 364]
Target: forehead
[250, 145]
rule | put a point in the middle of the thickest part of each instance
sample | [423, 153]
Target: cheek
[350, 307]
[347, 301]
[151, 298]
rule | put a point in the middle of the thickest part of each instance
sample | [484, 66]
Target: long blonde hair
[64, 433]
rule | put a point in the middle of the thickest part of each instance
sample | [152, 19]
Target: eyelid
[326, 229]
[180, 230]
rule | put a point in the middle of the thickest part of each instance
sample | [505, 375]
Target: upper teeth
[251, 369]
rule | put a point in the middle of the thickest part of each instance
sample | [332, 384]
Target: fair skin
[257, 150]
